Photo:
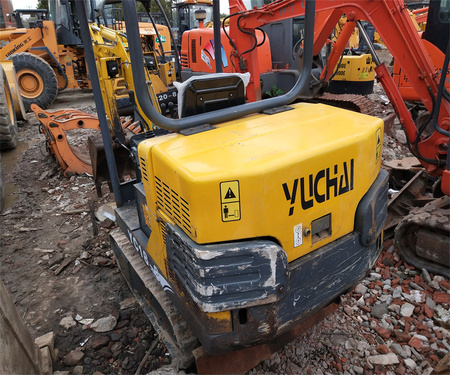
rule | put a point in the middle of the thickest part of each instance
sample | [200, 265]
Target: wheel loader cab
[63, 14]
[29, 18]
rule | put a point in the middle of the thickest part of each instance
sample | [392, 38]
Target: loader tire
[8, 122]
[37, 80]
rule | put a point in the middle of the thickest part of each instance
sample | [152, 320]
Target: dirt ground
[61, 276]
[54, 267]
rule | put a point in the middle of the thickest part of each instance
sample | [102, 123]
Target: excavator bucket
[73, 159]
[98, 158]
[89, 156]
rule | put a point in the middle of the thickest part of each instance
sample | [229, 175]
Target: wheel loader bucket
[10, 73]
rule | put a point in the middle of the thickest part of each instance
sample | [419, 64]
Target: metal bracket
[196, 129]
[272, 111]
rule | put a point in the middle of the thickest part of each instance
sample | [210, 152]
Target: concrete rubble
[394, 322]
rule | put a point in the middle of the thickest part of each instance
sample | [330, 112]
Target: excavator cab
[438, 16]
[183, 16]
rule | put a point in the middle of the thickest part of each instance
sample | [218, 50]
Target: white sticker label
[206, 59]
[298, 235]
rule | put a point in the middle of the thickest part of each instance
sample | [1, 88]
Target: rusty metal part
[411, 195]
[389, 123]
[76, 160]
[241, 361]
[423, 237]
[410, 164]
[124, 163]
[54, 125]
[352, 102]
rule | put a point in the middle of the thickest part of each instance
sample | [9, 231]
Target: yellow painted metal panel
[292, 168]
[355, 68]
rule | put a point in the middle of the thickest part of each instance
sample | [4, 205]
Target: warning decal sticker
[230, 201]
[378, 145]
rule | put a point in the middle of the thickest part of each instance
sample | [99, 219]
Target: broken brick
[383, 332]
[382, 349]
[385, 274]
[434, 358]
[402, 336]
[401, 370]
[415, 343]
[441, 297]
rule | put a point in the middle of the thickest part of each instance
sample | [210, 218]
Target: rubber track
[8, 125]
[433, 217]
[356, 103]
[182, 342]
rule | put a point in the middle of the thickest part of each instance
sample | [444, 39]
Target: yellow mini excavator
[244, 219]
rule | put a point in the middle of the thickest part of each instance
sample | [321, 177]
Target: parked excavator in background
[111, 53]
[278, 47]
[435, 41]
[183, 16]
[209, 255]
[429, 147]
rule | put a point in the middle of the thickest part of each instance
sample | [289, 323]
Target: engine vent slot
[194, 50]
[175, 206]
[184, 61]
[321, 228]
[162, 225]
[143, 166]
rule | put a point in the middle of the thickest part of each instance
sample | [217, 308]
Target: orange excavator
[392, 21]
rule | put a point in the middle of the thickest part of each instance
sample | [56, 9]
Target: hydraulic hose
[301, 87]
[217, 39]
[441, 89]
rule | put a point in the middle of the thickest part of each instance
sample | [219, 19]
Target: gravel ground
[395, 322]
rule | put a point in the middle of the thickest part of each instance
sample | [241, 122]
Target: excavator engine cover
[254, 225]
